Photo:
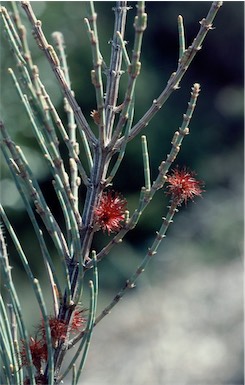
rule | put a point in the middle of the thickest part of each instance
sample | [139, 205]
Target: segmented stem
[147, 195]
[96, 73]
[114, 71]
[130, 283]
[133, 69]
[181, 36]
[146, 163]
[183, 65]
[55, 65]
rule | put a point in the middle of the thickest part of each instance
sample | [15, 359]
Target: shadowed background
[183, 322]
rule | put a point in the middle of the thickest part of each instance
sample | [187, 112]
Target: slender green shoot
[43, 309]
[96, 74]
[124, 50]
[89, 329]
[181, 36]
[130, 283]
[146, 163]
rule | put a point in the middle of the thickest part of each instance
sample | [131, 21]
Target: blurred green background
[208, 233]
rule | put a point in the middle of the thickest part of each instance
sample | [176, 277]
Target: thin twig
[146, 196]
[181, 36]
[96, 73]
[59, 41]
[130, 283]
[90, 322]
[173, 83]
[114, 71]
[134, 67]
[55, 65]
[146, 163]
[6, 271]
[50, 366]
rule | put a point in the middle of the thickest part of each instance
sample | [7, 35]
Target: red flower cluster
[59, 328]
[78, 321]
[110, 212]
[38, 353]
[38, 346]
[183, 186]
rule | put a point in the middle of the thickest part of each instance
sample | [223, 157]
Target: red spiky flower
[183, 185]
[59, 328]
[38, 353]
[78, 321]
[110, 212]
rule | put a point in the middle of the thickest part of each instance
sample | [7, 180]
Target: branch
[59, 41]
[181, 36]
[96, 74]
[133, 69]
[55, 65]
[22, 171]
[173, 83]
[8, 327]
[14, 300]
[114, 71]
[130, 283]
[146, 196]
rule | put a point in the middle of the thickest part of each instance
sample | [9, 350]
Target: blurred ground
[184, 330]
